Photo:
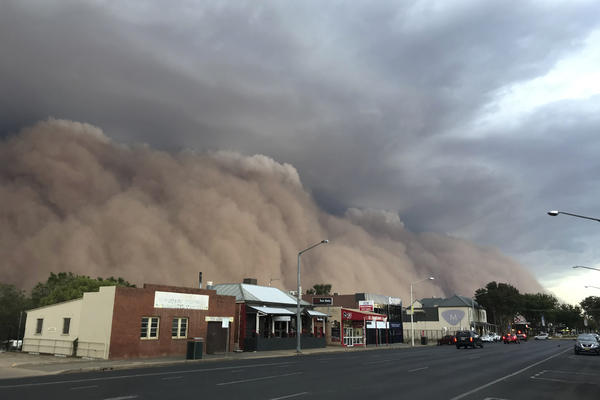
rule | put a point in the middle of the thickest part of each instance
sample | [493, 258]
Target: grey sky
[447, 112]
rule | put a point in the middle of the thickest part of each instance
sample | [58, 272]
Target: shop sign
[218, 319]
[186, 301]
[366, 305]
[282, 318]
[322, 300]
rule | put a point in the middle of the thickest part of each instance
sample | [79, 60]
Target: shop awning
[350, 314]
[313, 313]
[272, 310]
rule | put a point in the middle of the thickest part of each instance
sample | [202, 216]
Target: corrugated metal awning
[272, 310]
[314, 313]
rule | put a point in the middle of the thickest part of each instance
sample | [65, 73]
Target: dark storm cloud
[363, 98]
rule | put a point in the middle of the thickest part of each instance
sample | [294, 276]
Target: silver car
[587, 343]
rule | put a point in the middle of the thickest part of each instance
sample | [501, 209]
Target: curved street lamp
[412, 309]
[554, 213]
[581, 266]
[593, 287]
[298, 319]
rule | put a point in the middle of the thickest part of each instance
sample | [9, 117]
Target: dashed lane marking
[289, 396]
[417, 369]
[262, 378]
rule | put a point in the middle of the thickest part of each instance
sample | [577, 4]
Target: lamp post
[412, 310]
[581, 266]
[593, 287]
[298, 320]
[554, 213]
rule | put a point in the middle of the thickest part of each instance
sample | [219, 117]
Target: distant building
[124, 322]
[436, 317]
[266, 318]
[360, 319]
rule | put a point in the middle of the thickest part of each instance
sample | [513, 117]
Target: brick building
[121, 322]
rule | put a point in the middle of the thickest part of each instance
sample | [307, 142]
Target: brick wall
[131, 304]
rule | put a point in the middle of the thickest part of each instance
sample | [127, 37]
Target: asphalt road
[531, 370]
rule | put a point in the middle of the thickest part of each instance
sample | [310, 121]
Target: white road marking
[378, 362]
[122, 397]
[84, 387]
[168, 378]
[262, 378]
[289, 396]
[108, 378]
[477, 389]
[417, 369]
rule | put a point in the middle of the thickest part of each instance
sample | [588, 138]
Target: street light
[412, 309]
[594, 287]
[298, 320]
[581, 266]
[554, 213]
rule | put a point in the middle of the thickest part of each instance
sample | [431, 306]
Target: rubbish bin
[195, 348]
[423, 339]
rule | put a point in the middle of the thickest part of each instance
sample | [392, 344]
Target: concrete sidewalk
[20, 365]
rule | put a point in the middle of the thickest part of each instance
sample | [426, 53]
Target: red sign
[351, 315]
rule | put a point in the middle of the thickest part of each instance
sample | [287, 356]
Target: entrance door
[216, 338]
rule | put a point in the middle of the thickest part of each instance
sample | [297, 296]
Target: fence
[430, 334]
[91, 349]
[49, 346]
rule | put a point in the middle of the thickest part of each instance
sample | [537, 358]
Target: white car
[541, 336]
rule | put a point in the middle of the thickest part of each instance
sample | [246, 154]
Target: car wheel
[576, 352]
[458, 347]
[481, 345]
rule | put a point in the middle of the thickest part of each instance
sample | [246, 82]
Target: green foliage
[68, 286]
[591, 306]
[12, 303]
[501, 300]
[320, 289]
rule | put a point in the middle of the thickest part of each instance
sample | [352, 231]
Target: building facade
[123, 322]
[436, 317]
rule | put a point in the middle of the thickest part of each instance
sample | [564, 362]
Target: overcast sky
[467, 118]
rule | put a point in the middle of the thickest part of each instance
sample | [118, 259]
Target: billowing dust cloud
[73, 200]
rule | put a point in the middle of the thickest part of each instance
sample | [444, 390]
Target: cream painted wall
[51, 339]
[96, 323]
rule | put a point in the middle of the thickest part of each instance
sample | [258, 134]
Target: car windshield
[586, 337]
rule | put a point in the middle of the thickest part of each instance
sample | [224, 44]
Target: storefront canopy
[272, 310]
[313, 313]
[350, 314]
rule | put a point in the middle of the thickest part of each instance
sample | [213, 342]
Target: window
[38, 328]
[149, 328]
[66, 325]
[179, 328]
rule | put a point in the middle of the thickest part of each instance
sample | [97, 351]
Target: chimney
[250, 281]
[200, 279]
[209, 285]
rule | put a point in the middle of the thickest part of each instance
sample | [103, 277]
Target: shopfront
[355, 324]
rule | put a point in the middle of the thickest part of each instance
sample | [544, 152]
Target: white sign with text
[185, 301]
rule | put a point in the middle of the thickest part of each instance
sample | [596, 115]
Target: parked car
[587, 343]
[496, 337]
[510, 338]
[487, 338]
[448, 339]
[541, 336]
[467, 339]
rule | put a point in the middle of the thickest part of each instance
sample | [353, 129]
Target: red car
[510, 338]
[448, 339]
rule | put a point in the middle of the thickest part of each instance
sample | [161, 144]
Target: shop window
[149, 329]
[38, 327]
[179, 328]
[66, 325]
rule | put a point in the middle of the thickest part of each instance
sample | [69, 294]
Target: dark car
[522, 335]
[467, 339]
[587, 343]
[510, 338]
[448, 339]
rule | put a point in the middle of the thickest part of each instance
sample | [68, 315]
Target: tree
[591, 306]
[501, 300]
[568, 316]
[534, 305]
[68, 286]
[320, 289]
[12, 303]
